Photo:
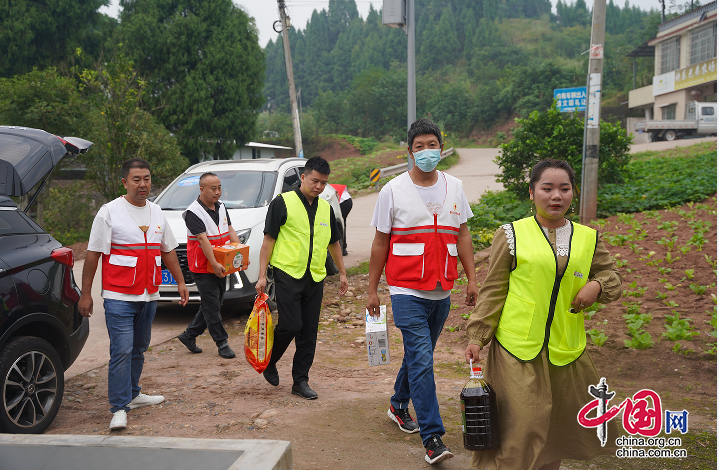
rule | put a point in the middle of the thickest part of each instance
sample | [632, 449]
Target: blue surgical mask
[427, 159]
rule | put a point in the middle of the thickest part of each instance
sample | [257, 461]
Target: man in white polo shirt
[131, 235]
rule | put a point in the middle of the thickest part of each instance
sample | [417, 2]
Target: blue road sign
[571, 99]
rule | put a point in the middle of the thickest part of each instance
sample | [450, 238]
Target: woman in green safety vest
[543, 272]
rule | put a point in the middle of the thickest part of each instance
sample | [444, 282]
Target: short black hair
[539, 168]
[133, 163]
[206, 175]
[423, 126]
[319, 164]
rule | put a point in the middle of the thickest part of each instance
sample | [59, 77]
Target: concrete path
[476, 169]
[122, 452]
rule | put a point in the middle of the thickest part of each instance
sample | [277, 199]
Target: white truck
[701, 119]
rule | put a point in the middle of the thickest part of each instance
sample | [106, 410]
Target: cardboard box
[377, 338]
[233, 256]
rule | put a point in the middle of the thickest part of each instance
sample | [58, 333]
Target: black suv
[41, 330]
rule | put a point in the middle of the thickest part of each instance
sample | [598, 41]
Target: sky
[265, 11]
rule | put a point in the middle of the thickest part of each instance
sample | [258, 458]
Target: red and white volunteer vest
[134, 262]
[218, 236]
[423, 246]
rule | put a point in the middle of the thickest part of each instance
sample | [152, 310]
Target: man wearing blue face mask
[421, 221]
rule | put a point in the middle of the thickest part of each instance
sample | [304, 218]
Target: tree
[43, 33]
[204, 67]
[122, 130]
[43, 99]
[547, 134]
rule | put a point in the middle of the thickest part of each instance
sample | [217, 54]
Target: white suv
[248, 187]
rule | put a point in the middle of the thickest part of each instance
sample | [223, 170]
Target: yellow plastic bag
[259, 335]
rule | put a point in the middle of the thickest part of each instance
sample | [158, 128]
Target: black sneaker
[436, 450]
[403, 420]
[189, 343]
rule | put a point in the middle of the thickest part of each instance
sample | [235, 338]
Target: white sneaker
[119, 420]
[145, 400]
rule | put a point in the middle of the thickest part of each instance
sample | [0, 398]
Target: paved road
[476, 169]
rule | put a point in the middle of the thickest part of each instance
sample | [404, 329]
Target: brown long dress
[538, 402]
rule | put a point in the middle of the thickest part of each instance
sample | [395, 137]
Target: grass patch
[362, 268]
[365, 145]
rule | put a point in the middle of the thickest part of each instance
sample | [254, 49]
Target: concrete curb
[255, 454]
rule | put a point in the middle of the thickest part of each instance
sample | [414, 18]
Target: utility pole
[411, 83]
[400, 14]
[590, 160]
[285, 20]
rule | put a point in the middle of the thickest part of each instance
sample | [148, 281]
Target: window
[670, 55]
[291, 181]
[704, 44]
[707, 111]
[256, 153]
[669, 112]
[240, 190]
[14, 222]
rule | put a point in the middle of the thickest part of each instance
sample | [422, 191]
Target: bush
[493, 209]
[67, 213]
[549, 135]
[496, 208]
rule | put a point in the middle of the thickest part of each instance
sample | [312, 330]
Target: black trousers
[212, 291]
[345, 208]
[298, 306]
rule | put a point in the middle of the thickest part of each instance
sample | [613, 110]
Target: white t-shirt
[345, 195]
[101, 241]
[433, 197]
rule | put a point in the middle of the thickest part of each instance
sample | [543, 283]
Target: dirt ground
[488, 137]
[79, 250]
[339, 149]
[347, 427]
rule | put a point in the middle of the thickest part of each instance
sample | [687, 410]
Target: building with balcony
[685, 65]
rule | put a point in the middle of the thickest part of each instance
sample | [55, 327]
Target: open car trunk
[28, 155]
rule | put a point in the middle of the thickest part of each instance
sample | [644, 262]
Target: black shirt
[196, 226]
[277, 217]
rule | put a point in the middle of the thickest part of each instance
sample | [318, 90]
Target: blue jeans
[420, 321]
[129, 325]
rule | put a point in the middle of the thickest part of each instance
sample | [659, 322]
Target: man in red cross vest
[131, 235]
[421, 221]
[208, 225]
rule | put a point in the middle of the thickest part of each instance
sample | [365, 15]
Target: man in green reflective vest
[299, 228]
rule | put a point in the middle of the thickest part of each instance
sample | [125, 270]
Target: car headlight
[244, 236]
